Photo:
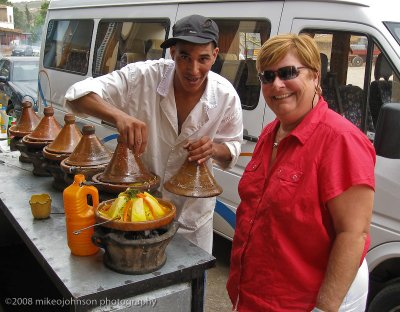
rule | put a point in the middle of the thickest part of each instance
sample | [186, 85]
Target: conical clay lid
[27, 122]
[89, 151]
[193, 180]
[47, 129]
[126, 168]
[67, 139]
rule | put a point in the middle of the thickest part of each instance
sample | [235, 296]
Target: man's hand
[200, 150]
[204, 149]
[133, 133]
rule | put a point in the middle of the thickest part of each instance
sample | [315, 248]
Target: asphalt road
[217, 299]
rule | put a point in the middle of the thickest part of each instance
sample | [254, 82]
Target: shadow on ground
[217, 299]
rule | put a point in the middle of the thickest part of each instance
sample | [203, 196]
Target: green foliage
[19, 20]
[29, 22]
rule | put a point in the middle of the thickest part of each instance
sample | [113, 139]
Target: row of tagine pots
[63, 152]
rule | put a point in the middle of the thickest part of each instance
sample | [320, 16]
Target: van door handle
[250, 138]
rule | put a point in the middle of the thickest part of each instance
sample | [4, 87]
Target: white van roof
[58, 4]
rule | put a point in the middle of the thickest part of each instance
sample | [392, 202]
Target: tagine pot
[193, 180]
[62, 147]
[27, 122]
[89, 157]
[125, 170]
[44, 133]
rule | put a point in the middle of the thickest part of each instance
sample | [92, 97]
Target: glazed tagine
[138, 230]
[125, 170]
[89, 157]
[193, 180]
[62, 147]
[44, 133]
[25, 125]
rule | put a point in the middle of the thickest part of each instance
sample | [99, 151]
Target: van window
[67, 45]
[394, 29]
[239, 44]
[121, 42]
[356, 77]
[385, 84]
[343, 74]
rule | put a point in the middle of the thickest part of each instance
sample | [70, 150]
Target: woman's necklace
[280, 135]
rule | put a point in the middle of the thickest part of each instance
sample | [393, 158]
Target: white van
[360, 46]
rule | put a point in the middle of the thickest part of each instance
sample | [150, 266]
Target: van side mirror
[387, 136]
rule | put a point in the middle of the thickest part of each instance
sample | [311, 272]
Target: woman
[307, 194]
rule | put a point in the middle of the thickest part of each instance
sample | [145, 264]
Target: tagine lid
[67, 139]
[193, 180]
[27, 122]
[89, 151]
[47, 129]
[125, 167]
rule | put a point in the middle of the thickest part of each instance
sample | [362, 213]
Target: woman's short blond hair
[276, 48]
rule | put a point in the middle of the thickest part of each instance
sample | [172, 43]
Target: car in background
[22, 50]
[18, 82]
[35, 50]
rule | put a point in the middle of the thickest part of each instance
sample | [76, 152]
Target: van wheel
[387, 300]
[10, 110]
[357, 61]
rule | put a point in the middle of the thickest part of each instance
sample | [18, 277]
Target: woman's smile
[282, 96]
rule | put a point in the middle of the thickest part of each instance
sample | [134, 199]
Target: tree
[19, 19]
[28, 15]
[41, 17]
[38, 22]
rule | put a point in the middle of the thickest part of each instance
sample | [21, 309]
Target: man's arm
[351, 214]
[133, 132]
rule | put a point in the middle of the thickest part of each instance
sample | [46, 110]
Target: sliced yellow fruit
[117, 207]
[147, 210]
[138, 213]
[151, 196]
[156, 210]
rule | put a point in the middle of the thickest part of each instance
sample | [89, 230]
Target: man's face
[192, 63]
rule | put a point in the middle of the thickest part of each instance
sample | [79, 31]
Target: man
[170, 110]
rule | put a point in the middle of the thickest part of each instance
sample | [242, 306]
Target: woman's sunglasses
[284, 73]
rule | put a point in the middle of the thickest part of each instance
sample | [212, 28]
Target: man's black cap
[195, 29]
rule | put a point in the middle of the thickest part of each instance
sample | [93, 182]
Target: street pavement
[217, 299]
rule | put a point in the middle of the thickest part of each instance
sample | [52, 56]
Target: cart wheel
[357, 61]
[386, 300]
[10, 110]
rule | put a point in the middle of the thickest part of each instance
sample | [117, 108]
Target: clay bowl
[18, 133]
[87, 171]
[54, 156]
[137, 226]
[116, 188]
[33, 143]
